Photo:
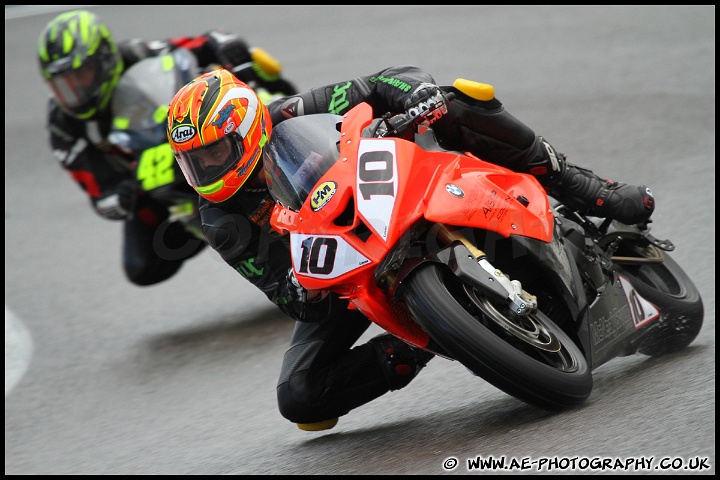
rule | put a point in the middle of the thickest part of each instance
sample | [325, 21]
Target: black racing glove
[299, 293]
[308, 305]
[423, 99]
[120, 204]
[229, 50]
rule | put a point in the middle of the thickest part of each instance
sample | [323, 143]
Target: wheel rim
[530, 330]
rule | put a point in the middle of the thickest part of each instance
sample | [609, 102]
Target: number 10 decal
[315, 258]
[377, 183]
[326, 256]
[641, 310]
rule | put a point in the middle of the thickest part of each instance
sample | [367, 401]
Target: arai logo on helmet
[183, 133]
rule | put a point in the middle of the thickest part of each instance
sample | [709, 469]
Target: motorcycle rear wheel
[529, 357]
[660, 280]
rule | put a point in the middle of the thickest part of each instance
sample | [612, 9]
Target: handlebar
[400, 124]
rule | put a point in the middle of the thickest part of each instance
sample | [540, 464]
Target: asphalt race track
[103, 377]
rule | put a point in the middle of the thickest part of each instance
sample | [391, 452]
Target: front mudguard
[555, 262]
[553, 259]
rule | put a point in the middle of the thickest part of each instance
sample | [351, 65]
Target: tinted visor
[207, 164]
[76, 90]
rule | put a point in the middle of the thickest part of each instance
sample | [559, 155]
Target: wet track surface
[179, 378]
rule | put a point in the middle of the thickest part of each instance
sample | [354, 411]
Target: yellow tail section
[476, 90]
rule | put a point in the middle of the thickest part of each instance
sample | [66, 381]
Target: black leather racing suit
[322, 375]
[84, 151]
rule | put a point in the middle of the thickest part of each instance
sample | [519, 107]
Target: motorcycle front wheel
[528, 357]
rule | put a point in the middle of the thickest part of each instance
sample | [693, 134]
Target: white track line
[18, 350]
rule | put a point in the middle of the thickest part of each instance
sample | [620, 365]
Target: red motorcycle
[469, 260]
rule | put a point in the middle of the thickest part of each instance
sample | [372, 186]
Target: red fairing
[390, 183]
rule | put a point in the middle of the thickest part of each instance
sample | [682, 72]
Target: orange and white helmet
[217, 128]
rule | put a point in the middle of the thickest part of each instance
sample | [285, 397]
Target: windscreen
[299, 152]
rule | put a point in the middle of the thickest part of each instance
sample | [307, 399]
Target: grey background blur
[179, 378]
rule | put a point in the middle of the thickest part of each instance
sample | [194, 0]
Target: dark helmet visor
[204, 165]
[75, 89]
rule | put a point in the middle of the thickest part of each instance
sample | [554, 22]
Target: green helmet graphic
[80, 62]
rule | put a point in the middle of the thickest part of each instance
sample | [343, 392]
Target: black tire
[460, 324]
[665, 284]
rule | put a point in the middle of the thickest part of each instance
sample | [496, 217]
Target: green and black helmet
[80, 62]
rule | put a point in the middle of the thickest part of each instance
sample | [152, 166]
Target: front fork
[522, 302]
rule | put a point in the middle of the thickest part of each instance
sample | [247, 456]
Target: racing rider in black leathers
[323, 374]
[82, 65]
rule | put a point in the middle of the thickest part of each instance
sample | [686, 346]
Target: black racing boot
[400, 362]
[582, 190]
